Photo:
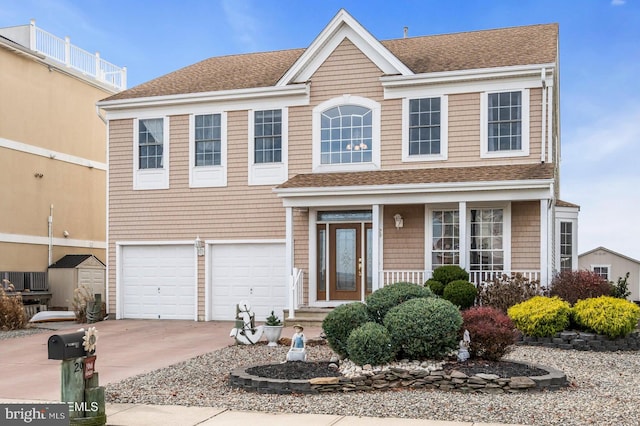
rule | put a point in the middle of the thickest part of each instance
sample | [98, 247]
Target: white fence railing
[61, 50]
[296, 285]
[390, 276]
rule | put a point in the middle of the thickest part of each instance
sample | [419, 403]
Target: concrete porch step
[306, 317]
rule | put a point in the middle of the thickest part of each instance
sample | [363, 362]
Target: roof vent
[406, 32]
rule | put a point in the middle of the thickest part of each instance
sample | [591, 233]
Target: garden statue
[463, 352]
[298, 351]
[245, 331]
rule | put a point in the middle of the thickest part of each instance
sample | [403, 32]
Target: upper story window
[150, 143]
[505, 123]
[268, 146]
[208, 150]
[268, 136]
[425, 128]
[208, 137]
[346, 132]
[151, 153]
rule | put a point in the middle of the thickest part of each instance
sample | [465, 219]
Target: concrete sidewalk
[130, 347]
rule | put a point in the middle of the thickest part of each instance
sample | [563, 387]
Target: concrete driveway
[125, 348]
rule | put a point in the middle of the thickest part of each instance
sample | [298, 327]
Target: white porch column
[376, 228]
[462, 217]
[544, 242]
[288, 262]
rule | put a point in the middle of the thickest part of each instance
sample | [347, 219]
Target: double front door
[344, 261]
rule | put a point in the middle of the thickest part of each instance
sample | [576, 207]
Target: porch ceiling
[445, 175]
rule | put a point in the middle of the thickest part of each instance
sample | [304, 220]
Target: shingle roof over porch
[422, 176]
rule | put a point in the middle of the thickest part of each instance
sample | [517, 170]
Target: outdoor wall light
[199, 245]
[399, 221]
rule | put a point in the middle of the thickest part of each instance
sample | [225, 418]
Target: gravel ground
[605, 389]
[20, 333]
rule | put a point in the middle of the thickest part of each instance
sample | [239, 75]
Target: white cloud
[618, 2]
[245, 26]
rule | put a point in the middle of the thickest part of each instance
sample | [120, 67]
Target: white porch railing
[63, 51]
[296, 287]
[390, 276]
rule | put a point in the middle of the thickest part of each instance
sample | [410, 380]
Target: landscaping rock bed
[583, 341]
[446, 377]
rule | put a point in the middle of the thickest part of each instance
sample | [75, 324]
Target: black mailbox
[66, 346]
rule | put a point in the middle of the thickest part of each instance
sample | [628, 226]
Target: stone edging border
[583, 341]
[396, 378]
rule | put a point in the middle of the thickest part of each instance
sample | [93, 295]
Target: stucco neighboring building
[612, 265]
[307, 178]
[52, 149]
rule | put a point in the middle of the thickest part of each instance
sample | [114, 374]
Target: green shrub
[12, 316]
[540, 316]
[448, 273]
[340, 322]
[460, 293]
[621, 288]
[370, 344]
[504, 292]
[381, 301]
[435, 286]
[491, 331]
[424, 328]
[579, 285]
[606, 315]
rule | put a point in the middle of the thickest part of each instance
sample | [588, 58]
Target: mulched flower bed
[309, 370]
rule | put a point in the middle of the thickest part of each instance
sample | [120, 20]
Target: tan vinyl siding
[464, 129]
[300, 140]
[525, 236]
[391, 136]
[404, 247]
[301, 247]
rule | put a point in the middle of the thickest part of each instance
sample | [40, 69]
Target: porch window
[346, 135]
[486, 248]
[566, 246]
[445, 249]
[150, 143]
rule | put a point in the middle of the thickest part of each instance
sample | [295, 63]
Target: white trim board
[48, 153]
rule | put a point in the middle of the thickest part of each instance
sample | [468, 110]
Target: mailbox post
[79, 387]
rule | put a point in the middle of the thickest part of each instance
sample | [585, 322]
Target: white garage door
[252, 272]
[158, 282]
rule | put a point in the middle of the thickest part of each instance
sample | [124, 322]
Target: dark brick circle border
[583, 341]
[399, 378]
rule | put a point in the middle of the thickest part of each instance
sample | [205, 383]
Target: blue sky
[599, 67]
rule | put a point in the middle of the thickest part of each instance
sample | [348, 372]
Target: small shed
[73, 271]
[612, 265]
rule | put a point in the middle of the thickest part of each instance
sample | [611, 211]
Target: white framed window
[268, 146]
[346, 134]
[425, 128]
[208, 150]
[489, 239]
[151, 153]
[445, 237]
[504, 123]
[603, 270]
[566, 246]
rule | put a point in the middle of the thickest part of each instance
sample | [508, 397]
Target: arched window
[346, 135]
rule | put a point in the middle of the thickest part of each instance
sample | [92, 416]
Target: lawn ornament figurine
[463, 352]
[245, 331]
[298, 351]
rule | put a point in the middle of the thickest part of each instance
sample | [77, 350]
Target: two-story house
[52, 152]
[311, 177]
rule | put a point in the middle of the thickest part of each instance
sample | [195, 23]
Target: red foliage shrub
[572, 286]
[491, 331]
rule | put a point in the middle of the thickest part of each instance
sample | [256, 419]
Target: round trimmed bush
[370, 344]
[424, 328]
[435, 286]
[460, 293]
[491, 331]
[448, 273]
[606, 315]
[540, 316]
[340, 322]
[579, 285]
[381, 301]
